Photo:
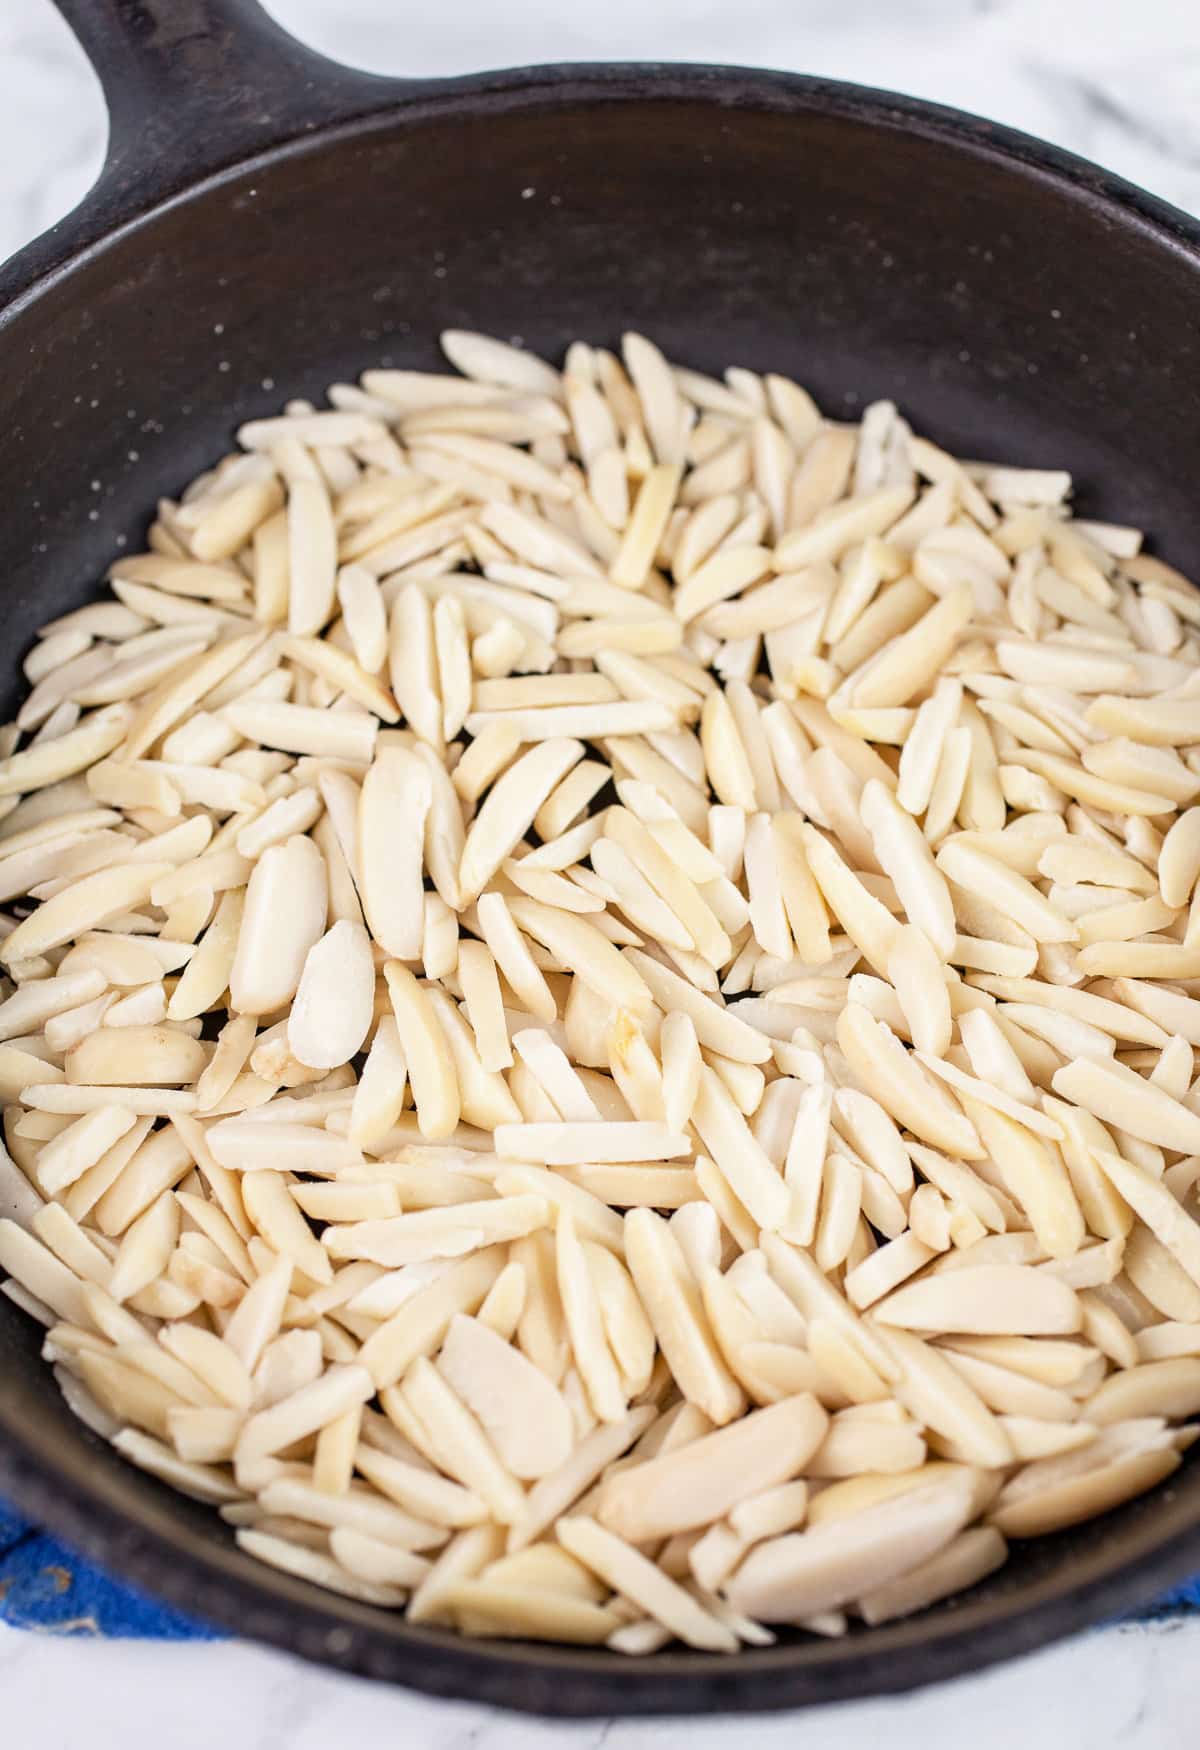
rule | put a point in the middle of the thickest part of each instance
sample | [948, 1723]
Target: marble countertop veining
[1115, 80]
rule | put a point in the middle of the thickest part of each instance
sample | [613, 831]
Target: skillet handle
[194, 85]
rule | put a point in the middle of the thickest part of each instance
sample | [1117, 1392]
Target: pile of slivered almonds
[600, 1001]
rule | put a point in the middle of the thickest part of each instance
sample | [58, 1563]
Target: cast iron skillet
[268, 222]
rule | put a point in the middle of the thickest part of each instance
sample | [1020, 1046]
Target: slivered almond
[987, 1299]
[639, 1580]
[908, 665]
[818, 1095]
[672, 1302]
[312, 556]
[580, 1302]
[1118, 1095]
[904, 855]
[822, 1568]
[901, 1086]
[520, 1410]
[716, 1027]
[303, 729]
[700, 1482]
[393, 807]
[80, 907]
[334, 1000]
[1009, 892]
[575, 1142]
[284, 916]
[426, 1052]
[1153, 1202]
[865, 920]
[509, 810]
[182, 690]
[578, 944]
[933, 1392]
[344, 674]
[49, 762]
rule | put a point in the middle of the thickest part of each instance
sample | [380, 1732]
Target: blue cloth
[45, 1586]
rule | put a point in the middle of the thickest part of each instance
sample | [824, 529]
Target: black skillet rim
[212, 1579]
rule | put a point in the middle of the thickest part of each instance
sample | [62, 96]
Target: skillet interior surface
[1018, 306]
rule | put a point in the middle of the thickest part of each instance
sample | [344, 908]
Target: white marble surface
[1127, 1689]
[1118, 80]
